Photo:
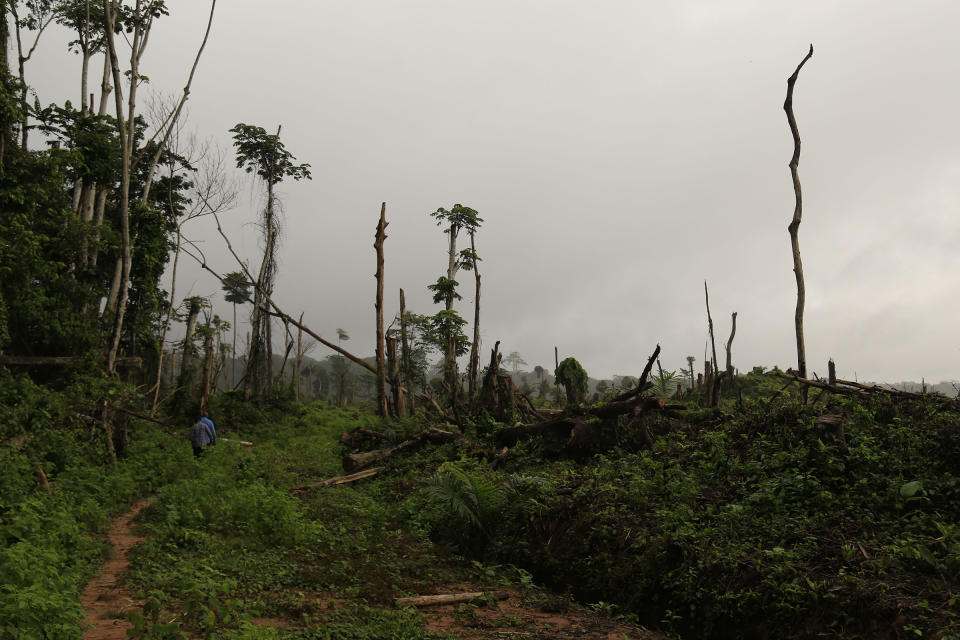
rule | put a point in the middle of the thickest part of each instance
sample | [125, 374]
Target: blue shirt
[207, 421]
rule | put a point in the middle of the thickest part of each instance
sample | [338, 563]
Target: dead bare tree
[794, 226]
[733, 332]
[214, 193]
[381, 235]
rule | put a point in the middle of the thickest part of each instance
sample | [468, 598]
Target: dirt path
[104, 600]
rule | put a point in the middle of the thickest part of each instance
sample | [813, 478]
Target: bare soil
[104, 599]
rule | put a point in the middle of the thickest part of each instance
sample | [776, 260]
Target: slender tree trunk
[299, 361]
[399, 406]
[166, 322]
[207, 370]
[233, 350]
[794, 226]
[733, 332]
[451, 355]
[475, 347]
[713, 344]
[378, 304]
[556, 365]
[186, 362]
[407, 374]
[126, 152]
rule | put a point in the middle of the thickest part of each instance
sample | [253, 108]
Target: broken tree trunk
[381, 364]
[794, 226]
[399, 405]
[733, 332]
[713, 345]
[579, 425]
[357, 461]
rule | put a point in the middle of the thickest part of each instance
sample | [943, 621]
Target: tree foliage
[573, 377]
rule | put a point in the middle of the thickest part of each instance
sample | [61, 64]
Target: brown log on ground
[378, 305]
[794, 225]
[560, 427]
[449, 598]
[907, 395]
[348, 436]
[353, 477]
[358, 461]
[814, 383]
[566, 424]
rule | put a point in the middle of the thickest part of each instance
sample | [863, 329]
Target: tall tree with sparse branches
[265, 156]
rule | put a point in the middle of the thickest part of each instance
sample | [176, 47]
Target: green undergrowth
[232, 543]
[752, 521]
[48, 547]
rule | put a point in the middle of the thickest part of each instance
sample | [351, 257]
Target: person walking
[202, 433]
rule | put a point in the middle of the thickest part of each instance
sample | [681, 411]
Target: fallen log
[329, 482]
[851, 387]
[576, 424]
[357, 461]
[449, 598]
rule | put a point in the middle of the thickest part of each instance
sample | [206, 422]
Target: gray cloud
[620, 153]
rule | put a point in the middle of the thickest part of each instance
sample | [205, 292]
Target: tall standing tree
[265, 156]
[236, 288]
[136, 160]
[456, 220]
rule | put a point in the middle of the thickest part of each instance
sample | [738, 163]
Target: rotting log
[449, 598]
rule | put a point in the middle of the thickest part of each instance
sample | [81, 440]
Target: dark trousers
[197, 451]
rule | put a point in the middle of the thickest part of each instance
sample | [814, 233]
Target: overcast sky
[619, 152]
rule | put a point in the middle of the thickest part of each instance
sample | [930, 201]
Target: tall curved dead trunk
[794, 226]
